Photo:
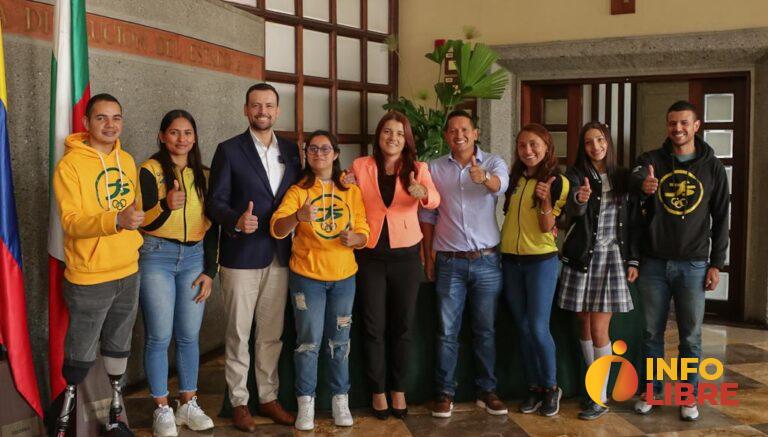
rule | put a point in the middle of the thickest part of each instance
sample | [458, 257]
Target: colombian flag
[13, 307]
[70, 91]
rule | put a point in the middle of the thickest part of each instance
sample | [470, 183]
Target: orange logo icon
[626, 381]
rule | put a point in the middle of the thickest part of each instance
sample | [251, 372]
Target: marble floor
[743, 351]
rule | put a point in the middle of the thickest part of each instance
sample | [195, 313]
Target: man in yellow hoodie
[96, 190]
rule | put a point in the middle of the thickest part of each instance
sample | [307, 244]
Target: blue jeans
[457, 279]
[323, 313]
[166, 297]
[529, 288]
[660, 281]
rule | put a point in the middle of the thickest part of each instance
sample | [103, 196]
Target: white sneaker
[689, 413]
[340, 410]
[163, 424]
[192, 415]
[643, 407]
[305, 419]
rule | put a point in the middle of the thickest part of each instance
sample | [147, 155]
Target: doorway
[635, 109]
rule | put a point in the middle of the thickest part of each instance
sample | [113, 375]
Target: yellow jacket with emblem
[317, 250]
[90, 189]
[185, 225]
[520, 234]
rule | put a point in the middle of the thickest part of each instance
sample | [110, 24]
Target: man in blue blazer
[250, 174]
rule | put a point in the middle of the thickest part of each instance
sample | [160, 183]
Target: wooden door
[558, 108]
[723, 104]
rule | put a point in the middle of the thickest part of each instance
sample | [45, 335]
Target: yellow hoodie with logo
[317, 250]
[91, 188]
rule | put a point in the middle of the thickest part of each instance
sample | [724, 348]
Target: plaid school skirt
[602, 288]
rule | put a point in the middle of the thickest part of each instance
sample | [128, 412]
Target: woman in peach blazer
[394, 186]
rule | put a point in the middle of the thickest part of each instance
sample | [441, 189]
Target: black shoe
[550, 405]
[532, 401]
[399, 413]
[593, 411]
[119, 429]
[380, 414]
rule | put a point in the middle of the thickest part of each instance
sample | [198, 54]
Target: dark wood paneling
[619, 7]
[620, 127]
[574, 121]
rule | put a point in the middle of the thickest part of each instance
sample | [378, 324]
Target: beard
[681, 142]
[260, 126]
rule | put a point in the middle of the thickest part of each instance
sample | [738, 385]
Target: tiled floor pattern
[743, 351]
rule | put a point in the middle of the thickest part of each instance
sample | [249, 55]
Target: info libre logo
[676, 391]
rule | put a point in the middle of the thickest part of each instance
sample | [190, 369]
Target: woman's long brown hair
[407, 162]
[616, 174]
[194, 161]
[546, 168]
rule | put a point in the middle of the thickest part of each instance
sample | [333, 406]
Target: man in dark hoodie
[686, 195]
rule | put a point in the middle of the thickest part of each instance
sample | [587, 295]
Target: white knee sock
[587, 350]
[601, 352]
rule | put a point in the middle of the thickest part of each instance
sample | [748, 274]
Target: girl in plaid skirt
[598, 254]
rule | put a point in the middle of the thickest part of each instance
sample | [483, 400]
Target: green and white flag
[70, 91]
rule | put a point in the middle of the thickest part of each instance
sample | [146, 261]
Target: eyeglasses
[319, 150]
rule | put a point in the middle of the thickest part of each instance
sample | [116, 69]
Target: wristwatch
[487, 176]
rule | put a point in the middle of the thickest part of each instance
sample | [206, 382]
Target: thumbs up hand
[477, 173]
[248, 223]
[543, 190]
[349, 178]
[351, 239]
[416, 189]
[307, 212]
[130, 218]
[175, 198]
[584, 192]
[650, 183]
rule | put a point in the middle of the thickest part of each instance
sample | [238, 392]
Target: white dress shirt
[270, 159]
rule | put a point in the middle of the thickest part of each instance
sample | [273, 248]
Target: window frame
[300, 80]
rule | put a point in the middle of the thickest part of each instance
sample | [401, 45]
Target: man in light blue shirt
[464, 233]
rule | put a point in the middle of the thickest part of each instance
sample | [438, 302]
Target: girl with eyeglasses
[328, 221]
[178, 262]
[600, 253]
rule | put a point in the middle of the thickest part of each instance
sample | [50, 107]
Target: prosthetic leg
[115, 426]
[67, 408]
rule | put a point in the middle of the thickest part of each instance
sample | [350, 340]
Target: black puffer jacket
[582, 222]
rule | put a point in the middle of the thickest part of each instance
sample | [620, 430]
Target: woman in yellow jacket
[177, 264]
[328, 221]
[536, 195]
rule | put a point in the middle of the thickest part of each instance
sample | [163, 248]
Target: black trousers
[387, 290]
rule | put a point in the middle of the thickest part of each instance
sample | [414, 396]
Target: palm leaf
[491, 86]
[473, 65]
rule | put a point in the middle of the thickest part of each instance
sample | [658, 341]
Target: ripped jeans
[323, 313]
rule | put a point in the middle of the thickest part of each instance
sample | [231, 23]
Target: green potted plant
[474, 80]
